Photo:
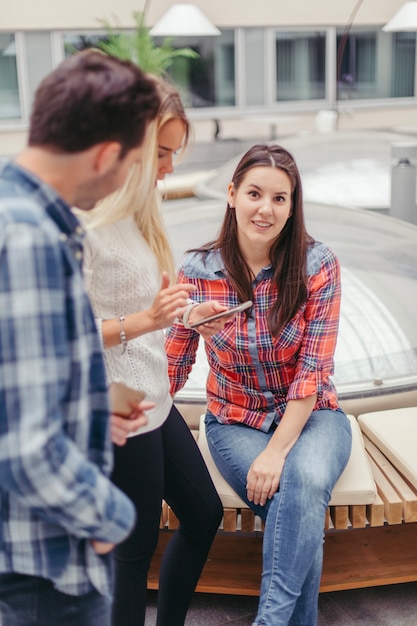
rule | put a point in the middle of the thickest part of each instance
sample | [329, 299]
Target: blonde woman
[129, 267]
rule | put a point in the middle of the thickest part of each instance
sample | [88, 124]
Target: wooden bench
[371, 523]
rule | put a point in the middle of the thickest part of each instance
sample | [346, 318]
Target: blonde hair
[140, 196]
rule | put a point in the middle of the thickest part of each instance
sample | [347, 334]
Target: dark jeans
[33, 601]
[163, 464]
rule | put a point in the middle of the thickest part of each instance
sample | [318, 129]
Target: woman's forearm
[133, 326]
[292, 423]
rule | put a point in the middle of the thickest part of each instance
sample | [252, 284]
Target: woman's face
[262, 204]
[170, 138]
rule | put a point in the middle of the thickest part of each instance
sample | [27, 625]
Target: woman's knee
[205, 518]
[216, 512]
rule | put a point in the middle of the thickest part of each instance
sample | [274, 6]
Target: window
[206, 81]
[403, 65]
[373, 64]
[9, 89]
[75, 42]
[209, 80]
[300, 62]
[357, 62]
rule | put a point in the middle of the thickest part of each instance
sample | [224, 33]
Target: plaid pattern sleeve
[55, 450]
[252, 374]
[315, 358]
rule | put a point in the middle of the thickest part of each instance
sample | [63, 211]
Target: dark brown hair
[288, 254]
[90, 98]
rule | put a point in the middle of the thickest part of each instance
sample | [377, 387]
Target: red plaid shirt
[252, 374]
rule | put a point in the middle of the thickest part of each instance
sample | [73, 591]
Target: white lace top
[122, 277]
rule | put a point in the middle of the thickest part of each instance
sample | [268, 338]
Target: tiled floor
[394, 605]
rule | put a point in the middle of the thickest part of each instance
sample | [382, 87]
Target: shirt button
[63, 237]
[78, 255]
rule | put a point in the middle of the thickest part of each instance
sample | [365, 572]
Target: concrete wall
[77, 15]
[85, 14]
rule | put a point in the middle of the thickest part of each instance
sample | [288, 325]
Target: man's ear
[106, 156]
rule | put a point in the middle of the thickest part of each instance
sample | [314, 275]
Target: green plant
[140, 47]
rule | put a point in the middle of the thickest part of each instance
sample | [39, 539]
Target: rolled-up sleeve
[315, 361]
[181, 346]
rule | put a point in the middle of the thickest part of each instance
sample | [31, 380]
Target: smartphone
[226, 313]
[121, 397]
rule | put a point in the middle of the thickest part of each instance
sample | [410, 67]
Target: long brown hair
[288, 254]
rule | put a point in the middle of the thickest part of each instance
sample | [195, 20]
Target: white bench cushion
[394, 432]
[355, 486]
[228, 496]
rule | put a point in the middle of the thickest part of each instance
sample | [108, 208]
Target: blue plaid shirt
[55, 448]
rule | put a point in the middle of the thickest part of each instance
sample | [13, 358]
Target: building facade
[273, 62]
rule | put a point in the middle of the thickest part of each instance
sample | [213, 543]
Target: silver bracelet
[123, 338]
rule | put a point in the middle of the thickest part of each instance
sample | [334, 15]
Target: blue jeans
[294, 517]
[32, 601]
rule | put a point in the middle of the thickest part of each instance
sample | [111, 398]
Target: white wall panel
[77, 14]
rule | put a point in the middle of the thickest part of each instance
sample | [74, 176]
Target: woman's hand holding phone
[209, 317]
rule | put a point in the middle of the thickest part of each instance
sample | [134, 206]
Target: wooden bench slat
[164, 515]
[340, 517]
[392, 501]
[230, 520]
[375, 512]
[173, 522]
[247, 523]
[405, 491]
[357, 515]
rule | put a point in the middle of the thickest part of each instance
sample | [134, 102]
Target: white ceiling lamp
[184, 20]
[404, 20]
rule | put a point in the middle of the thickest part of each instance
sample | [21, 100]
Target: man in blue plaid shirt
[60, 515]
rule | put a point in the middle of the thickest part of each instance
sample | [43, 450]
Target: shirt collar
[217, 264]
